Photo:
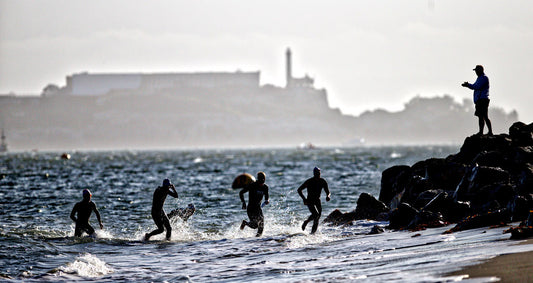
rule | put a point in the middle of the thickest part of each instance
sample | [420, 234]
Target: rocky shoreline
[488, 182]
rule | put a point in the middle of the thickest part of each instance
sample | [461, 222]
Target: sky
[375, 54]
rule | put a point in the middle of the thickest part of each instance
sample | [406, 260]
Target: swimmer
[314, 187]
[83, 209]
[256, 191]
[158, 214]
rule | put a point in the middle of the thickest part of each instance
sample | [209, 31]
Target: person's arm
[172, 191]
[98, 216]
[241, 195]
[266, 195]
[326, 190]
[479, 84]
[73, 213]
[300, 191]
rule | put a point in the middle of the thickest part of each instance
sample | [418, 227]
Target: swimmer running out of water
[83, 209]
[314, 187]
[158, 214]
[256, 191]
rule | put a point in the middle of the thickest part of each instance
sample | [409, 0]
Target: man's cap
[166, 183]
[316, 170]
[478, 67]
[86, 192]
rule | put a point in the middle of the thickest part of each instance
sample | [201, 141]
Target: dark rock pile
[489, 182]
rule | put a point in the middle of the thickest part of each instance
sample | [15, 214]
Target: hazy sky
[367, 54]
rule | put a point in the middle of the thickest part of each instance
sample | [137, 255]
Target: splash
[87, 265]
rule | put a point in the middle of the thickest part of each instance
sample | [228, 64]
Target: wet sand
[517, 267]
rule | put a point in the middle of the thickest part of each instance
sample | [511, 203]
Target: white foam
[87, 265]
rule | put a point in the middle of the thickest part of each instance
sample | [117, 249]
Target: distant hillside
[230, 117]
[428, 121]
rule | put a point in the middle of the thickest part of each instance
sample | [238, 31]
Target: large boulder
[401, 217]
[393, 182]
[368, 207]
[521, 134]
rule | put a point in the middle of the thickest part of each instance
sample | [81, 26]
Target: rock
[520, 207]
[490, 159]
[521, 134]
[426, 219]
[493, 218]
[401, 217]
[520, 233]
[442, 173]
[336, 217]
[425, 197]
[477, 178]
[488, 182]
[393, 181]
[376, 230]
[369, 207]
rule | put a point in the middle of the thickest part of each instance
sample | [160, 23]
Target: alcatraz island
[218, 110]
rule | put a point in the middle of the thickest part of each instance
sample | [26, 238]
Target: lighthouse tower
[289, 68]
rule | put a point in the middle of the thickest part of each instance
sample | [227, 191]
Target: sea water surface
[38, 191]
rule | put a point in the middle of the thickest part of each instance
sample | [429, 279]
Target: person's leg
[159, 230]
[253, 216]
[260, 224]
[89, 229]
[481, 124]
[486, 118]
[77, 231]
[312, 208]
[166, 222]
[317, 216]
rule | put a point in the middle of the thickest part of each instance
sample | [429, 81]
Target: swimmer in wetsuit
[84, 209]
[314, 187]
[256, 191]
[158, 214]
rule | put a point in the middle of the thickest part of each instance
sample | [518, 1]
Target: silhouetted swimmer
[481, 98]
[158, 214]
[256, 191]
[83, 209]
[314, 187]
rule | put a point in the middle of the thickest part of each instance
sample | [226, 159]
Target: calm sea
[38, 191]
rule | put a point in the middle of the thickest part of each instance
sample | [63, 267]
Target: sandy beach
[516, 267]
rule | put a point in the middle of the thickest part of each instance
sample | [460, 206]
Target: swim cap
[166, 183]
[86, 193]
[316, 171]
[261, 176]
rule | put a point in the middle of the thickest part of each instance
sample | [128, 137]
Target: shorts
[482, 107]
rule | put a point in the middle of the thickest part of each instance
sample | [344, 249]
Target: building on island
[95, 84]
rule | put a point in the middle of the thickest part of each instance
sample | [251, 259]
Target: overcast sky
[367, 54]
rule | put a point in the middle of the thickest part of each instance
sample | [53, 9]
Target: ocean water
[38, 191]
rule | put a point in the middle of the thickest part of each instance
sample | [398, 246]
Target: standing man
[256, 191]
[84, 209]
[314, 187]
[481, 98]
[158, 214]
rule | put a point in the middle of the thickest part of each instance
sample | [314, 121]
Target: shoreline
[514, 267]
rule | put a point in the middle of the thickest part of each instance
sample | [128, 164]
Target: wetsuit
[84, 209]
[256, 191]
[158, 214]
[314, 188]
